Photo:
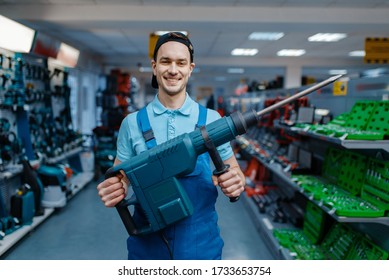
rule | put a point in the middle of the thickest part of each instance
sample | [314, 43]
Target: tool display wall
[315, 194]
[37, 136]
[116, 102]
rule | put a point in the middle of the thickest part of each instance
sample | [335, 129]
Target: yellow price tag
[340, 88]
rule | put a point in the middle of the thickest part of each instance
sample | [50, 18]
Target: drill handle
[127, 219]
[223, 169]
[220, 167]
[122, 207]
[112, 172]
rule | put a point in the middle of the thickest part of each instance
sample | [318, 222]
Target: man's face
[172, 68]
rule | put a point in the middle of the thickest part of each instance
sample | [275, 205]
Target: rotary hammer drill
[153, 174]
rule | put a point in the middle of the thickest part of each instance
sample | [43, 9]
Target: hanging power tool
[153, 173]
[10, 144]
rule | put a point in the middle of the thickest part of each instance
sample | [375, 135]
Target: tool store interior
[317, 168]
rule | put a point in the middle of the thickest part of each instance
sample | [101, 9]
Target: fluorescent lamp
[68, 55]
[160, 33]
[244, 52]
[291, 52]
[266, 36]
[327, 37]
[15, 36]
[235, 70]
[337, 72]
[357, 53]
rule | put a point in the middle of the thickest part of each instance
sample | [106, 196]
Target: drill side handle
[122, 207]
[220, 167]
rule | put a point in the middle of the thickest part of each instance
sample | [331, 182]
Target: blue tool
[153, 174]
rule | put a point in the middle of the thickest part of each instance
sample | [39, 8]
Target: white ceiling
[118, 30]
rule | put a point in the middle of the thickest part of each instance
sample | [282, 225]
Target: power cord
[167, 245]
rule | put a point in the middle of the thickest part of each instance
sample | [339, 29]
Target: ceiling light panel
[359, 53]
[327, 37]
[266, 36]
[244, 52]
[15, 36]
[291, 52]
[160, 33]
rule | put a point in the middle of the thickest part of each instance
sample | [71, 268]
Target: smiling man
[173, 67]
[170, 114]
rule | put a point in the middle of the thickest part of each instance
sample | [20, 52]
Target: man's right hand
[112, 190]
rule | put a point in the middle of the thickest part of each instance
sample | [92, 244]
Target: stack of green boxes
[340, 242]
[315, 223]
[304, 244]
[365, 249]
[368, 120]
[376, 185]
[340, 186]
[343, 243]
[351, 185]
[299, 244]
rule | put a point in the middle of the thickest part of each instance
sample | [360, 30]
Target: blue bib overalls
[195, 237]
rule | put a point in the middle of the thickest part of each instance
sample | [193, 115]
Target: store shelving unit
[78, 182]
[285, 177]
[317, 144]
[35, 105]
[279, 148]
[64, 156]
[348, 144]
[11, 239]
[11, 171]
[265, 227]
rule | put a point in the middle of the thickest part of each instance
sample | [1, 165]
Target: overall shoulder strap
[144, 124]
[202, 120]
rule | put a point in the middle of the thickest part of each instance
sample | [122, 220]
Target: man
[171, 113]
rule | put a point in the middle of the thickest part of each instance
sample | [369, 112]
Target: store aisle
[85, 230]
[241, 239]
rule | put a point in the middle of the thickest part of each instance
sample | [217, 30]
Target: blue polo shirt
[166, 124]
